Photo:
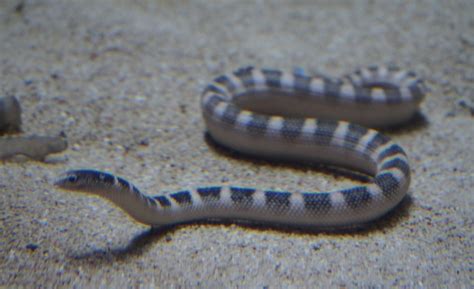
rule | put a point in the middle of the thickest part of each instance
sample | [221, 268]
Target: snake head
[86, 181]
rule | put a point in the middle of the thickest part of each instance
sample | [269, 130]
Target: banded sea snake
[271, 113]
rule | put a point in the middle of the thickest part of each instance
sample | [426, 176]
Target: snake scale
[270, 113]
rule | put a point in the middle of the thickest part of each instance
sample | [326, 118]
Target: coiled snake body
[271, 113]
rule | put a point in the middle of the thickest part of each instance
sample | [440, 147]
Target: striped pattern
[270, 113]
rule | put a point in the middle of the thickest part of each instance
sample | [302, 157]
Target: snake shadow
[137, 246]
[417, 122]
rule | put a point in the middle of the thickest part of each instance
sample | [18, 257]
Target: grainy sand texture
[122, 78]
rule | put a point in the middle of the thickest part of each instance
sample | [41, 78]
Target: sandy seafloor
[122, 79]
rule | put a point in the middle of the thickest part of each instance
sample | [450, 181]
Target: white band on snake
[288, 116]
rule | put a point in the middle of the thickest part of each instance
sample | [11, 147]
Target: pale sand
[123, 78]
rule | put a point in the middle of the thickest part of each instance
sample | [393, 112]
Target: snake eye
[72, 179]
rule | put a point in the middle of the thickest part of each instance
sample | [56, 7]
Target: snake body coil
[271, 113]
